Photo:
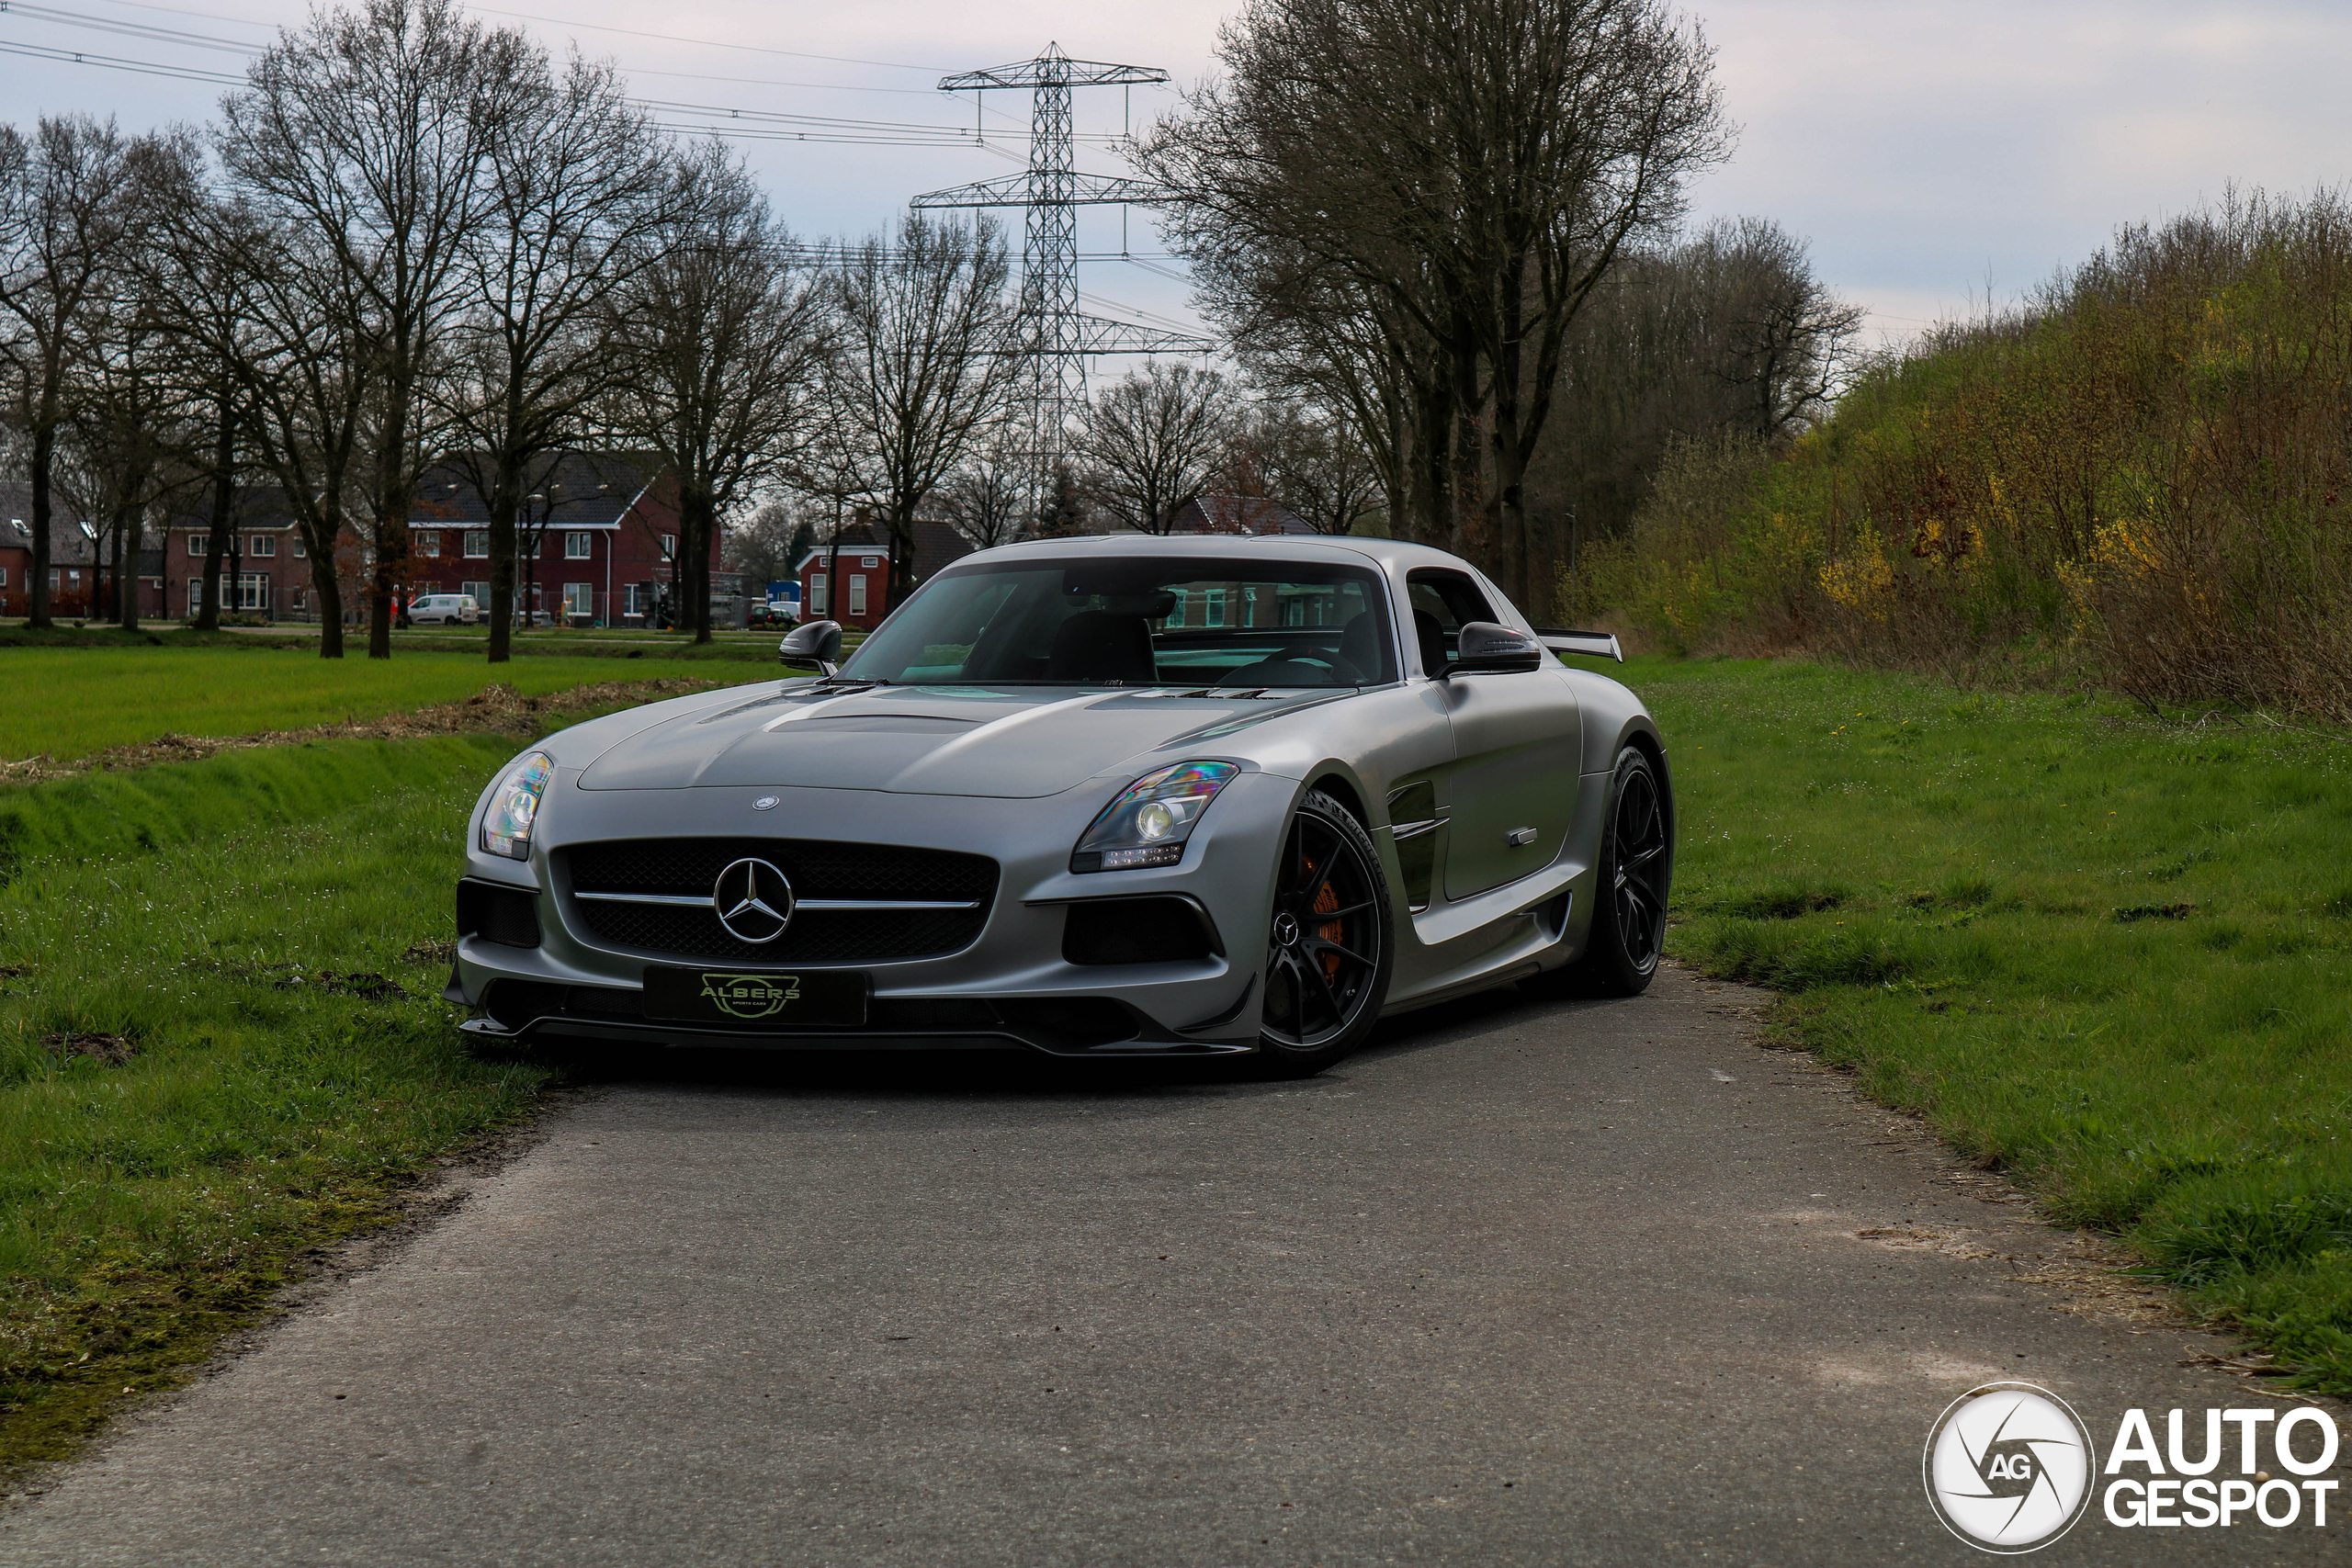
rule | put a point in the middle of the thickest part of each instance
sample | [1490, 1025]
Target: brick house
[264, 570]
[595, 542]
[74, 557]
[856, 590]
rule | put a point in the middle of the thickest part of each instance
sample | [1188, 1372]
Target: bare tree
[923, 366]
[199, 279]
[69, 210]
[1508, 151]
[371, 130]
[1314, 463]
[306, 365]
[718, 341]
[986, 497]
[1154, 440]
[577, 179]
[767, 545]
[130, 426]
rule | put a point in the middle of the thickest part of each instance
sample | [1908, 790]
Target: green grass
[71, 701]
[276, 1096]
[2112, 955]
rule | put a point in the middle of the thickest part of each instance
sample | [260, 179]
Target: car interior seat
[1097, 645]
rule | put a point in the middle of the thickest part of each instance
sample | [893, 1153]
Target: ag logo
[751, 996]
[2009, 1467]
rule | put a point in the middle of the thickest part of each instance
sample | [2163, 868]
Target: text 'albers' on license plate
[835, 997]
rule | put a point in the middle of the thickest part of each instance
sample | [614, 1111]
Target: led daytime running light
[514, 805]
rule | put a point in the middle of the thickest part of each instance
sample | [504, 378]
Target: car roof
[1225, 546]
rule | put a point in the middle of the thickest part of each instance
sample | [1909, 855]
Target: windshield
[1176, 620]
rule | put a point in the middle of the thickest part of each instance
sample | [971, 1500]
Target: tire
[1330, 946]
[1633, 873]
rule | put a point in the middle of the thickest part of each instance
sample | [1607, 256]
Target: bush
[2143, 477]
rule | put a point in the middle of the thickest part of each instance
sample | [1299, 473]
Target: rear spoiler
[1590, 645]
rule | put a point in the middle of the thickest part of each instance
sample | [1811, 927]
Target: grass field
[2111, 955]
[69, 702]
[216, 1050]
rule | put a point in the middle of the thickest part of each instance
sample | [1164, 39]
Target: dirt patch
[497, 709]
[111, 1049]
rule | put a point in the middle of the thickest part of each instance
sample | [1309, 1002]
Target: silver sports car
[1098, 798]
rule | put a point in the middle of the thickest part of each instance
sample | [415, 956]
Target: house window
[253, 590]
[53, 579]
[428, 542]
[1176, 616]
[480, 592]
[195, 594]
[195, 546]
[669, 547]
[4, 577]
[869, 562]
[579, 546]
[477, 544]
[300, 549]
[856, 593]
[819, 587]
[262, 544]
[1216, 608]
[579, 598]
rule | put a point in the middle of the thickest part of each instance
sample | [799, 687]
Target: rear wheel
[1628, 935]
[1329, 949]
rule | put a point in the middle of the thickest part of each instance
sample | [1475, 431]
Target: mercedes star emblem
[754, 901]
[765, 803]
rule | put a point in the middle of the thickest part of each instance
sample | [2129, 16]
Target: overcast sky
[1930, 152]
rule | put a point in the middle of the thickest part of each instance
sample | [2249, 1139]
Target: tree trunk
[695, 516]
[216, 542]
[44, 448]
[329, 590]
[128, 537]
[504, 485]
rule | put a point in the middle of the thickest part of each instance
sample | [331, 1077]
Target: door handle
[1520, 838]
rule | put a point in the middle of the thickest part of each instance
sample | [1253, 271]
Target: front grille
[818, 869]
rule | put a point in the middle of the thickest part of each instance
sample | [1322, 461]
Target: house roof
[68, 544]
[588, 490]
[251, 506]
[937, 546]
[1236, 514]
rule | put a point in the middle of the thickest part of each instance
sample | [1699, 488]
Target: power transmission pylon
[1055, 334]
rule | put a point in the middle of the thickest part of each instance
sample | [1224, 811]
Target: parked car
[775, 613]
[1099, 797]
[445, 610]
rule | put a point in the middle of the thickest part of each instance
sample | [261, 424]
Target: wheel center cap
[1285, 930]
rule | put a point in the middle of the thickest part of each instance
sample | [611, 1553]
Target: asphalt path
[1523, 1283]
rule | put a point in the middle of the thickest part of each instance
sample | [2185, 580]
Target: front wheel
[1330, 948]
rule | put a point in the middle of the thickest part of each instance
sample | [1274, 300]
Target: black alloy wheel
[1329, 948]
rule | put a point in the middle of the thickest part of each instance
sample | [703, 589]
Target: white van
[445, 610]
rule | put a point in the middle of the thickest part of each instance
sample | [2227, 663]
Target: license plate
[834, 997]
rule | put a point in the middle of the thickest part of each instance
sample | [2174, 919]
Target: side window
[1443, 602]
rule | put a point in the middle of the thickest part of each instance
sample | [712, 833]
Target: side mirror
[1483, 648]
[812, 645]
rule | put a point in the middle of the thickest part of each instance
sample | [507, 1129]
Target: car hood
[926, 740]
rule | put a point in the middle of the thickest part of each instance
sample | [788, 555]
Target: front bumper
[1010, 987]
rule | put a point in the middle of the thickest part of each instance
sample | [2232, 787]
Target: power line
[111, 62]
[704, 42]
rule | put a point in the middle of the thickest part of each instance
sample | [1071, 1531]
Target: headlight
[1152, 817]
[514, 804]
